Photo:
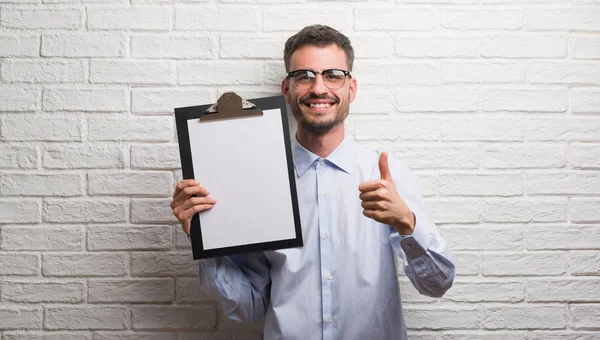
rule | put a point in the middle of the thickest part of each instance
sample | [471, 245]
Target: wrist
[406, 226]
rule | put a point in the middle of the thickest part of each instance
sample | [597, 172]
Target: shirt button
[322, 163]
[327, 234]
[424, 276]
[330, 277]
[325, 193]
[330, 319]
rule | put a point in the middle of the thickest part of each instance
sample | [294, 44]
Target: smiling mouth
[319, 105]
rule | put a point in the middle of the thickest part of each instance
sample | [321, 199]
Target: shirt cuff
[416, 244]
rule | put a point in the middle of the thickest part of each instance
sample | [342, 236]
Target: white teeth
[320, 105]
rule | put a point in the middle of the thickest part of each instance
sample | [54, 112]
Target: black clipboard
[229, 107]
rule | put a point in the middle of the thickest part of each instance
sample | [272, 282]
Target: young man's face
[319, 108]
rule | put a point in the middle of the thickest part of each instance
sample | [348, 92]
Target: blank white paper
[243, 163]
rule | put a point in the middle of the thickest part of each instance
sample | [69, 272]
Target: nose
[319, 87]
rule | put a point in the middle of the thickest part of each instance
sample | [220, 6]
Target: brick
[563, 290]
[19, 264]
[562, 129]
[584, 263]
[434, 156]
[288, 18]
[46, 336]
[373, 100]
[524, 317]
[148, 18]
[172, 47]
[584, 210]
[563, 237]
[181, 239]
[397, 73]
[437, 100]
[45, 238]
[483, 238]
[19, 45]
[466, 263]
[155, 156]
[405, 128]
[135, 336]
[395, 18]
[132, 72]
[223, 73]
[481, 129]
[67, 19]
[36, 71]
[86, 317]
[464, 2]
[131, 183]
[441, 318]
[517, 264]
[273, 73]
[152, 210]
[87, 156]
[454, 211]
[85, 264]
[487, 335]
[19, 99]
[221, 336]
[147, 129]
[367, 46]
[482, 19]
[585, 46]
[585, 316]
[523, 156]
[129, 237]
[482, 72]
[525, 211]
[20, 184]
[18, 156]
[20, 211]
[78, 45]
[217, 18]
[43, 291]
[252, 47]
[174, 317]
[481, 185]
[569, 183]
[486, 292]
[163, 264]
[525, 100]
[20, 318]
[131, 291]
[558, 335]
[165, 100]
[86, 100]
[525, 46]
[585, 100]
[84, 211]
[41, 128]
[565, 72]
[437, 46]
[566, 18]
[584, 156]
[189, 291]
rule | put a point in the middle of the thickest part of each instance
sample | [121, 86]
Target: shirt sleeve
[428, 261]
[242, 284]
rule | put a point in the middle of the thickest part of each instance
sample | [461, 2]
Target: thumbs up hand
[381, 201]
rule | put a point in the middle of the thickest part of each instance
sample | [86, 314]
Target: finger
[184, 183]
[188, 192]
[374, 214]
[371, 185]
[374, 195]
[384, 168]
[373, 205]
[189, 213]
[192, 201]
[185, 226]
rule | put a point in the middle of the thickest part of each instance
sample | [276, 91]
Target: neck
[321, 144]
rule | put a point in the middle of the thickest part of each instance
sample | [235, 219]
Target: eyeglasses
[305, 79]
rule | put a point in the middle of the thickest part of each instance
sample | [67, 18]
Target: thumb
[384, 168]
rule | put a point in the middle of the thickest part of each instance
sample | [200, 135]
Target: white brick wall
[494, 103]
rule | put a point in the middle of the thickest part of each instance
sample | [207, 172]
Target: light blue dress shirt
[343, 283]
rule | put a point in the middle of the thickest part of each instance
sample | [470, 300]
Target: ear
[353, 88]
[285, 89]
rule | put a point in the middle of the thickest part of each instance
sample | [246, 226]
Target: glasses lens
[304, 79]
[334, 79]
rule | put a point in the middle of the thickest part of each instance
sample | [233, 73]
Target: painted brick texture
[495, 104]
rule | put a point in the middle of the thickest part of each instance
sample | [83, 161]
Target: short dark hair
[321, 36]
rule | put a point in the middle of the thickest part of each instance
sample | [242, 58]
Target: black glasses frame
[346, 74]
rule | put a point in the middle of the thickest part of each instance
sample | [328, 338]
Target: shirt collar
[341, 157]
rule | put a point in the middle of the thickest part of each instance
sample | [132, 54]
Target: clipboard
[241, 151]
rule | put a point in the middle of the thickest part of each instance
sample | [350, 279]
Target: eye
[334, 75]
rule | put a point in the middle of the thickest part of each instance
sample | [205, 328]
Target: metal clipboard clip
[230, 106]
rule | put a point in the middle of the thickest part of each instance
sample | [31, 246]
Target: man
[357, 211]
